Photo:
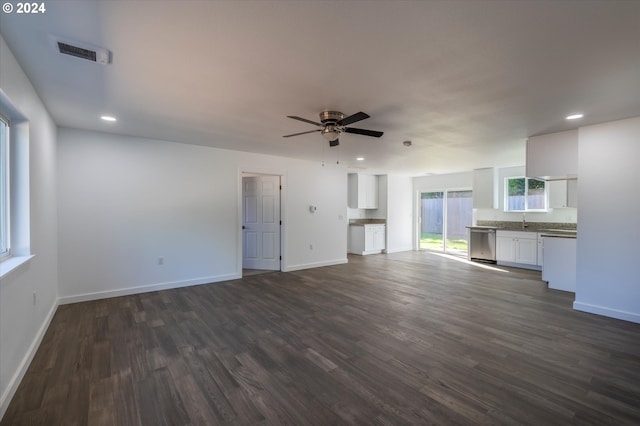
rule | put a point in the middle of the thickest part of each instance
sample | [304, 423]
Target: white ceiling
[465, 81]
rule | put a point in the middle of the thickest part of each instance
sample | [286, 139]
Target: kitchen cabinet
[563, 193]
[367, 239]
[572, 193]
[517, 247]
[363, 191]
[553, 156]
[559, 268]
[485, 188]
[540, 249]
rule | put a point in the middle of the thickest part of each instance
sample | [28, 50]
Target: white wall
[124, 202]
[399, 213]
[23, 323]
[462, 180]
[608, 281]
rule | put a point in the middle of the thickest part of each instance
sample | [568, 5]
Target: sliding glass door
[444, 216]
[432, 221]
[459, 215]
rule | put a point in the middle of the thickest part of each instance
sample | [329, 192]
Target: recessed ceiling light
[108, 118]
[360, 159]
[574, 116]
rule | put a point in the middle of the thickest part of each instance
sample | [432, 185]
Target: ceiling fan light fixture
[330, 133]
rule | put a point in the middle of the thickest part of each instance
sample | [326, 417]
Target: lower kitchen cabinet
[517, 248]
[540, 247]
[367, 239]
[559, 268]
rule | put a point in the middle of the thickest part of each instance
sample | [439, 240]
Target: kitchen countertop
[559, 232]
[558, 235]
[362, 222]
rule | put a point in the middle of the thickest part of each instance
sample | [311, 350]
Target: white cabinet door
[371, 189]
[563, 193]
[517, 247]
[368, 238]
[557, 194]
[527, 251]
[572, 193]
[363, 191]
[553, 156]
[379, 238]
[505, 248]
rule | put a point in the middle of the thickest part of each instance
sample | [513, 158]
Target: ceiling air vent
[83, 51]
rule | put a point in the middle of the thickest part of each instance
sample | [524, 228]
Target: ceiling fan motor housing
[330, 117]
[331, 130]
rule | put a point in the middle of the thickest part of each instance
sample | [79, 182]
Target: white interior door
[261, 222]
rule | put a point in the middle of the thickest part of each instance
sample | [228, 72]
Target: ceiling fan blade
[304, 119]
[365, 132]
[334, 142]
[353, 118]
[302, 133]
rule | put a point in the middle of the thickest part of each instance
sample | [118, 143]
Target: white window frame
[526, 195]
[5, 189]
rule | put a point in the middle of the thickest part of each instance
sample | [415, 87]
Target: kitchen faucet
[524, 220]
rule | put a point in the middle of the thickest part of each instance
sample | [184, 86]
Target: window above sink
[522, 194]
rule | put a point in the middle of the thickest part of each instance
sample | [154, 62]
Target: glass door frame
[445, 193]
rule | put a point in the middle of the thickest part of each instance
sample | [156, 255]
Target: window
[15, 241]
[525, 194]
[4, 188]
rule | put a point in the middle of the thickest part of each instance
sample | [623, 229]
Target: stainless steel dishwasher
[482, 243]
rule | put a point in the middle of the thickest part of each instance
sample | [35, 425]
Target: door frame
[255, 171]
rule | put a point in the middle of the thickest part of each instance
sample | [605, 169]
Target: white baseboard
[399, 249]
[10, 391]
[607, 312]
[145, 288]
[314, 265]
[519, 265]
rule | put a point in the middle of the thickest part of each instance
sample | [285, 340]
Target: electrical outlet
[161, 261]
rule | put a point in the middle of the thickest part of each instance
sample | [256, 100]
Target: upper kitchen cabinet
[553, 156]
[363, 191]
[485, 188]
[563, 193]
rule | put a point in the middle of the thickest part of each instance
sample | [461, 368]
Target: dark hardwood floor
[406, 338]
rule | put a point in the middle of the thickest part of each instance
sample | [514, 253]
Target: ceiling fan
[334, 123]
